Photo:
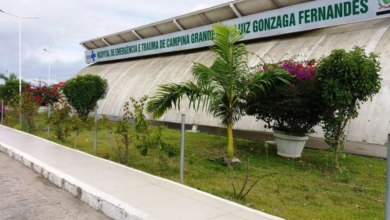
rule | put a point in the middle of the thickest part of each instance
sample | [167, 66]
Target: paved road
[25, 195]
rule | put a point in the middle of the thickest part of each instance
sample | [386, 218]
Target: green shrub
[10, 89]
[122, 135]
[347, 79]
[83, 93]
[28, 106]
[60, 121]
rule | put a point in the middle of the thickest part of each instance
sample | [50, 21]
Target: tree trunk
[336, 151]
[338, 142]
[230, 147]
[336, 155]
[127, 143]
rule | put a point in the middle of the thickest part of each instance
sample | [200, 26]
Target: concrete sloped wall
[141, 76]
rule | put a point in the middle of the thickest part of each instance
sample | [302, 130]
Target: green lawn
[304, 188]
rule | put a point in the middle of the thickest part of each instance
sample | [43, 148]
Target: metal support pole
[2, 111]
[20, 73]
[48, 78]
[387, 206]
[20, 58]
[48, 126]
[95, 136]
[234, 9]
[183, 121]
[137, 35]
[178, 25]
[48, 81]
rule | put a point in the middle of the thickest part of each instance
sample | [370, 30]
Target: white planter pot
[290, 146]
[42, 109]
[194, 128]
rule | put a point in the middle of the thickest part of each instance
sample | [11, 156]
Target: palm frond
[210, 76]
[230, 54]
[221, 108]
[168, 96]
[267, 80]
[203, 74]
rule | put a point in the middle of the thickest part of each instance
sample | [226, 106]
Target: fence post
[183, 121]
[95, 136]
[387, 206]
[2, 111]
[20, 106]
[48, 125]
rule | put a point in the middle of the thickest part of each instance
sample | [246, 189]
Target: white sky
[63, 24]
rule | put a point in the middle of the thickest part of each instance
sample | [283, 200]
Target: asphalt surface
[26, 195]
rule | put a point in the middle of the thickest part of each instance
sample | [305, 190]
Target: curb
[98, 200]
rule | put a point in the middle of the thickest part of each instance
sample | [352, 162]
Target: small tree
[83, 93]
[122, 135]
[221, 88]
[60, 120]
[347, 79]
[77, 126]
[28, 106]
[144, 138]
[10, 89]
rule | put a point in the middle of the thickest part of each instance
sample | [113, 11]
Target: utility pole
[20, 55]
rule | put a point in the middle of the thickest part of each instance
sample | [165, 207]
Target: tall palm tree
[221, 88]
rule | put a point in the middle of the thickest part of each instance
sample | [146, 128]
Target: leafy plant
[344, 175]
[10, 89]
[243, 192]
[60, 120]
[123, 134]
[83, 92]
[119, 136]
[142, 131]
[145, 139]
[28, 106]
[347, 79]
[293, 109]
[170, 149]
[221, 88]
[193, 159]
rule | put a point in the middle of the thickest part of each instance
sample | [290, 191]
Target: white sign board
[302, 17]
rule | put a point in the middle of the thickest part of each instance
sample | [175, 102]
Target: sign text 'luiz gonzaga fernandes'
[307, 16]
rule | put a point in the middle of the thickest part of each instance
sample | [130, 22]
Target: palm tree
[221, 88]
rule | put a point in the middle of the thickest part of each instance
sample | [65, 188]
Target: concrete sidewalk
[118, 191]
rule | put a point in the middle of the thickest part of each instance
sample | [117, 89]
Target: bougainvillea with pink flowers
[293, 109]
[44, 94]
[304, 70]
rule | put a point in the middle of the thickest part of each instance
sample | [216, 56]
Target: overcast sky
[63, 24]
